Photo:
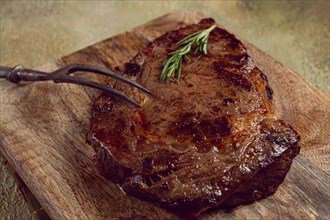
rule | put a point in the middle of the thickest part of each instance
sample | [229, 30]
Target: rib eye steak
[209, 141]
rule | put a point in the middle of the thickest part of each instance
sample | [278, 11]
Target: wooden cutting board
[43, 127]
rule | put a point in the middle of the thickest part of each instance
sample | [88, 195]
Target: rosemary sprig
[198, 41]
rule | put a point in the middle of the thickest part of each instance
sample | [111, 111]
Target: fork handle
[7, 73]
[20, 73]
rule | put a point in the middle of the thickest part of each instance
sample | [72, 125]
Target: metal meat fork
[62, 75]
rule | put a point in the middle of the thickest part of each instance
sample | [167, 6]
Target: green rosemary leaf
[187, 58]
[179, 69]
[188, 38]
[172, 67]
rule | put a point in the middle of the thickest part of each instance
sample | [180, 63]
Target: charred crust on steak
[201, 131]
[132, 69]
[211, 141]
[207, 21]
[233, 78]
[269, 92]
[227, 101]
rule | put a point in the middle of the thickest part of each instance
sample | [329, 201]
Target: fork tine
[102, 71]
[85, 82]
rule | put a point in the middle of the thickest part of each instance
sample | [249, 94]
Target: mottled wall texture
[297, 33]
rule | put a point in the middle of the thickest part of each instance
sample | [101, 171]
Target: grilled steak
[210, 141]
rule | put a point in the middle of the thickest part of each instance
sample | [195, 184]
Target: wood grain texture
[43, 127]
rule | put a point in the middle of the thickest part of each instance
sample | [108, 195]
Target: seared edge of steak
[260, 178]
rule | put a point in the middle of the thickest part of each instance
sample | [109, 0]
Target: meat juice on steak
[210, 141]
